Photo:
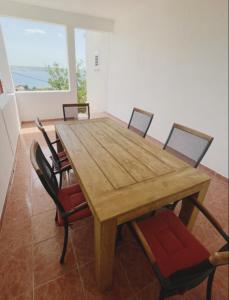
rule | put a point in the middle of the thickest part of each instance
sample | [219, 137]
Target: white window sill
[35, 92]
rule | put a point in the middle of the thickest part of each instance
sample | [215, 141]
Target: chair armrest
[63, 169]
[56, 141]
[76, 209]
[219, 258]
[143, 241]
[210, 218]
[66, 168]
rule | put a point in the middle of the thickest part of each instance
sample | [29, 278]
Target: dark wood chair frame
[79, 105]
[189, 278]
[57, 169]
[36, 151]
[143, 134]
[193, 132]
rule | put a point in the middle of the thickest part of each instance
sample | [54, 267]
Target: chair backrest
[38, 121]
[73, 110]
[188, 144]
[140, 121]
[45, 173]
[55, 157]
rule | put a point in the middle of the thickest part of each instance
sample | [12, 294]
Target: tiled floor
[30, 245]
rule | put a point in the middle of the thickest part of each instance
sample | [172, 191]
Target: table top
[122, 174]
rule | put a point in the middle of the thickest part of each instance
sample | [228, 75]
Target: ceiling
[110, 9]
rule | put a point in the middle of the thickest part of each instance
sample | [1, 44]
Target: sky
[39, 44]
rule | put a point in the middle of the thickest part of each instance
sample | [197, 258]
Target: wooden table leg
[188, 213]
[105, 236]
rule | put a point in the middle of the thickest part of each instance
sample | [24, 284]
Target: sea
[32, 77]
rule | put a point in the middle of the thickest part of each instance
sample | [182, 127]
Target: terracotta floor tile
[15, 234]
[81, 223]
[41, 201]
[25, 296]
[44, 226]
[18, 208]
[152, 291]
[20, 193]
[121, 288]
[16, 276]
[221, 285]
[136, 266]
[66, 287]
[83, 242]
[46, 260]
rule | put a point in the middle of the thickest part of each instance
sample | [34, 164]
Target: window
[37, 54]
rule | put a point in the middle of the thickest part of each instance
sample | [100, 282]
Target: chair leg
[56, 216]
[65, 242]
[60, 182]
[68, 176]
[209, 285]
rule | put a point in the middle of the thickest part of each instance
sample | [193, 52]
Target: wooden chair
[178, 259]
[140, 121]
[72, 111]
[59, 160]
[188, 144]
[70, 201]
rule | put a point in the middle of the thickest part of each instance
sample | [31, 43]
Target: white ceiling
[110, 9]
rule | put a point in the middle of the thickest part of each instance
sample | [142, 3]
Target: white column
[4, 67]
[72, 61]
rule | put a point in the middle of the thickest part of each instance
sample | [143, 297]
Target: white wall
[11, 119]
[97, 78]
[5, 74]
[45, 105]
[6, 155]
[9, 131]
[9, 125]
[171, 58]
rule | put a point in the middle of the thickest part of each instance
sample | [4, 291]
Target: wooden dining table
[123, 176]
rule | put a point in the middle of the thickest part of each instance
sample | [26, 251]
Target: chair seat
[70, 197]
[172, 245]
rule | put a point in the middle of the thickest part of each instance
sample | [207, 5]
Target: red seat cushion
[61, 154]
[173, 246]
[70, 197]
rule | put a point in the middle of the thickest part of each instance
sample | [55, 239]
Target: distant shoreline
[30, 77]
